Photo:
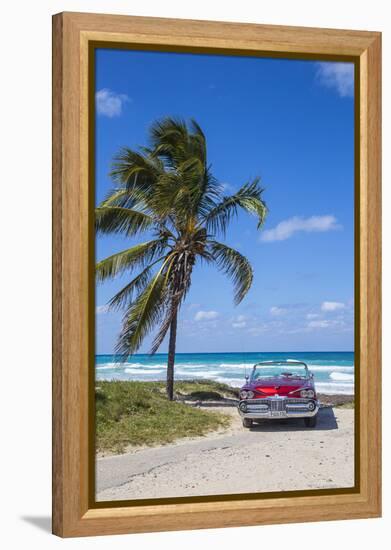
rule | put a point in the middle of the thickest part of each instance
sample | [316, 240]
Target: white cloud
[312, 315]
[206, 315]
[327, 323]
[240, 322]
[101, 309]
[319, 324]
[332, 306]
[339, 76]
[285, 229]
[109, 103]
[277, 311]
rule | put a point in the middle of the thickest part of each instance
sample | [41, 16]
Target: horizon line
[237, 352]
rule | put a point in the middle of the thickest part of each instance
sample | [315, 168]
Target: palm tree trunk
[171, 358]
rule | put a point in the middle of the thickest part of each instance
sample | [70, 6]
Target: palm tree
[168, 191]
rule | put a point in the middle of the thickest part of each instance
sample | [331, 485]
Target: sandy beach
[272, 456]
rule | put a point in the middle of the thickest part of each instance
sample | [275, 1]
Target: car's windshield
[288, 370]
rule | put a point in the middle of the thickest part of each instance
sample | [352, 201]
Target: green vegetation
[139, 413]
[205, 390]
[346, 405]
[168, 191]
[337, 401]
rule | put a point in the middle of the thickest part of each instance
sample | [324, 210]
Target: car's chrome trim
[279, 407]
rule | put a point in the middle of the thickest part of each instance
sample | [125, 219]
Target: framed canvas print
[216, 351]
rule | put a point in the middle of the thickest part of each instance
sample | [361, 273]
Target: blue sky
[290, 122]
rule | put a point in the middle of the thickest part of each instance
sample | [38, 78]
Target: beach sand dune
[273, 456]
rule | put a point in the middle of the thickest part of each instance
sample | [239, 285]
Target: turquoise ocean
[333, 371]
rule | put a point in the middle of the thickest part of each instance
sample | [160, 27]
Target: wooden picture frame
[74, 36]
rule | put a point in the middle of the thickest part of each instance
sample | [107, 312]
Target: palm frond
[209, 194]
[163, 329]
[136, 286]
[116, 219]
[139, 255]
[198, 142]
[235, 265]
[133, 169]
[174, 142]
[117, 197]
[132, 198]
[249, 198]
[143, 314]
[164, 199]
[169, 132]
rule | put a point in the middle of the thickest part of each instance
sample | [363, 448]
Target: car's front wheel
[311, 421]
[247, 422]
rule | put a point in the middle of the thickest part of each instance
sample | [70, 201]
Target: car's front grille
[297, 405]
[257, 407]
[277, 405]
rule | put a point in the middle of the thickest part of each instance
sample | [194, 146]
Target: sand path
[274, 456]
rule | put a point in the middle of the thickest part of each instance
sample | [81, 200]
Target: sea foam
[342, 376]
[143, 371]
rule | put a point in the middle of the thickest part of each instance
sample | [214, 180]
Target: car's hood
[277, 385]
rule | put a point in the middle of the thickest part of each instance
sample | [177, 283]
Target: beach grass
[205, 390]
[347, 405]
[338, 401]
[138, 413]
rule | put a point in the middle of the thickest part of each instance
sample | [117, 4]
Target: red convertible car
[279, 389]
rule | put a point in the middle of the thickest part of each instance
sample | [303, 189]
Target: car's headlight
[307, 393]
[244, 394]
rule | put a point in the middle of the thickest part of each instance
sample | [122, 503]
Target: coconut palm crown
[168, 191]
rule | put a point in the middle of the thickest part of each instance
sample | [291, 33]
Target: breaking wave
[342, 376]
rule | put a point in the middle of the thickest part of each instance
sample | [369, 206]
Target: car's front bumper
[277, 407]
